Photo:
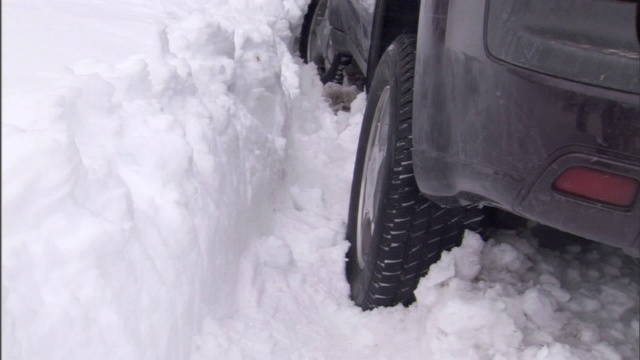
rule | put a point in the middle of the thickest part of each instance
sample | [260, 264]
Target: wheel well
[391, 19]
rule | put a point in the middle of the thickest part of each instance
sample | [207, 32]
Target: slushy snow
[175, 186]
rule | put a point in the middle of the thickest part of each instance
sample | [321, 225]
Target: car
[527, 106]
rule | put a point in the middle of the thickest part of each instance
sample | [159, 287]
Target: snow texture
[175, 186]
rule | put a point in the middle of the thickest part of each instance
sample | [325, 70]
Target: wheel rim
[318, 38]
[373, 177]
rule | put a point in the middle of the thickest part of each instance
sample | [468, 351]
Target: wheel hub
[373, 177]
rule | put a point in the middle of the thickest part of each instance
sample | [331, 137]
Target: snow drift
[132, 188]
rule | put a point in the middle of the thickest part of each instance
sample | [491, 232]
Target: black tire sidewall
[306, 30]
[389, 74]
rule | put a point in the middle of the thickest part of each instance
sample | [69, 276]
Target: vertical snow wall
[131, 190]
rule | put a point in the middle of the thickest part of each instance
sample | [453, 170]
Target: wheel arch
[391, 19]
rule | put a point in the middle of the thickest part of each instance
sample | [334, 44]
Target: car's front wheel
[395, 232]
[316, 47]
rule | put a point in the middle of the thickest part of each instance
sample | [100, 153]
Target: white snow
[175, 186]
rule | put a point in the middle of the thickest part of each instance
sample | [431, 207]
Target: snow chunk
[462, 262]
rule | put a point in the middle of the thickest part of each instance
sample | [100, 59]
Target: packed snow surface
[175, 186]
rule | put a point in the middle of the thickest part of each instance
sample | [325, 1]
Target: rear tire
[395, 233]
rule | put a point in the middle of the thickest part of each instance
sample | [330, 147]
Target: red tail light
[598, 185]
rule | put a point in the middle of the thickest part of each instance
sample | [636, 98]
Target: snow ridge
[131, 191]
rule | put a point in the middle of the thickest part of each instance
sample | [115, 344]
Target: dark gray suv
[529, 106]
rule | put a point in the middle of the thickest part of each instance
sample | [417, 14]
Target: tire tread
[416, 230]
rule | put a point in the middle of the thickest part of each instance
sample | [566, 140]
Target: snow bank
[509, 299]
[133, 182]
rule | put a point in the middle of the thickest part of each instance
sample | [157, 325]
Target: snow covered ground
[174, 186]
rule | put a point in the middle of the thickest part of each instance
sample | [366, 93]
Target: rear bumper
[509, 154]
[537, 200]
